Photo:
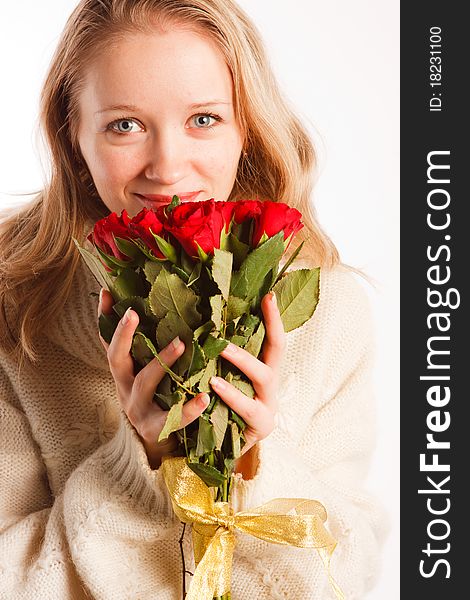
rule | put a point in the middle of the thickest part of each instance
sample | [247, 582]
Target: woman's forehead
[175, 62]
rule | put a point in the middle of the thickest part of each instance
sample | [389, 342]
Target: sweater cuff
[245, 492]
[126, 460]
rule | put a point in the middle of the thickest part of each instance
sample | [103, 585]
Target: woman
[144, 99]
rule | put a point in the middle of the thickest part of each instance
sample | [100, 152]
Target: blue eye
[124, 125]
[206, 117]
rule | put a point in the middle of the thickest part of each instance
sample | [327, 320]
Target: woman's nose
[166, 160]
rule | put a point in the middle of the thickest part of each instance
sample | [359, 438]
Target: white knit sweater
[82, 514]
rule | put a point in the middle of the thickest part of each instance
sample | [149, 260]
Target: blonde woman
[145, 99]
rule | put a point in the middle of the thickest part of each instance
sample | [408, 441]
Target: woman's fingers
[119, 357]
[192, 409]
[106, 302]
[275, 341]
[258, 416]
[247, 408]
[105, 306]
[149, 377]
[259, 373]
[262, 372]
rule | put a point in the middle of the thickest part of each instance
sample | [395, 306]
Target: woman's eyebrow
[210, 103]
[129, 107]
[132, 107]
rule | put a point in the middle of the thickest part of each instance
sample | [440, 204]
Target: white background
[337, 61]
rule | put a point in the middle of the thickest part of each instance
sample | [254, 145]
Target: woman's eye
[124, 126]
[203, 121]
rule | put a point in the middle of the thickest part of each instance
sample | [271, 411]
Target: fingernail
[230, 348]
[217, 382]
[176, 342]
[273, 298]
[127, 315]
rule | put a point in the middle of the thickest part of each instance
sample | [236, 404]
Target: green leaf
[219, 419]
[254, 344]
[180, 272]
[222, 271]
[238, 340]
[112, 261]
[195, 274]
[198, 360]
[128, 283]
[248, 280]
[209, 371]
[211, 476]
[169, 400]
[174, 202]
[238, 420]
[297, 296]
[173, 421]
[165, 248]
[154, 351]
[195, 379]
[238, 249]
[203, 257]
[186, 262]
[288, 263]
[205, 437]
[229, 464]
[213, 346]
[236, 307]
[165, 386]
[255, 305]
[138, 304]
[235, 440]
[96, 267]
[107, 326]
[141, 351]
[245, 387]
[148, 252]
[168, 328]
[216, 306]
[169, 292]
[247, 324]
[205, 328]
[152, 269]
[127, 247]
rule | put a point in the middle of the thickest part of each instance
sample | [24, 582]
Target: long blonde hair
[38, 258]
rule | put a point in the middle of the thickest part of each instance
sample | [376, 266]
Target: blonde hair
[38, 258]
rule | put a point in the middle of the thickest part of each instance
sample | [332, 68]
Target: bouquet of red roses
[198, 270]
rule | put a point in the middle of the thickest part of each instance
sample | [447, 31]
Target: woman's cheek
[222, 162]
[120, 167]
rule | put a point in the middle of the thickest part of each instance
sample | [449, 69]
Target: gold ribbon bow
[213, 525]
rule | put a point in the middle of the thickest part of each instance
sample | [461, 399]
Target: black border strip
[435, 234]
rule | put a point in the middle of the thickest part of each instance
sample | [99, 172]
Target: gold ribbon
[289, 521]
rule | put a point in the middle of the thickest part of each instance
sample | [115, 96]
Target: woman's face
[157, 119]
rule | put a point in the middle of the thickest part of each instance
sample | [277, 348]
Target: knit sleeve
[82, 543]
[320, 449]
[33, 545]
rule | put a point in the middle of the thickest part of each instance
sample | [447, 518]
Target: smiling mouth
[164, 199]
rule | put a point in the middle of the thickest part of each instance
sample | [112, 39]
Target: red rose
[246, 209]
[199, 222]
[143, 225]
[226, 209]
[274, 217]
[104, 231]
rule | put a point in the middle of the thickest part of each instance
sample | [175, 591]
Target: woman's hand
[135, 393]
[258, 412]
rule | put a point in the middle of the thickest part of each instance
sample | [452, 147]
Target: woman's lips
[163, 199]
